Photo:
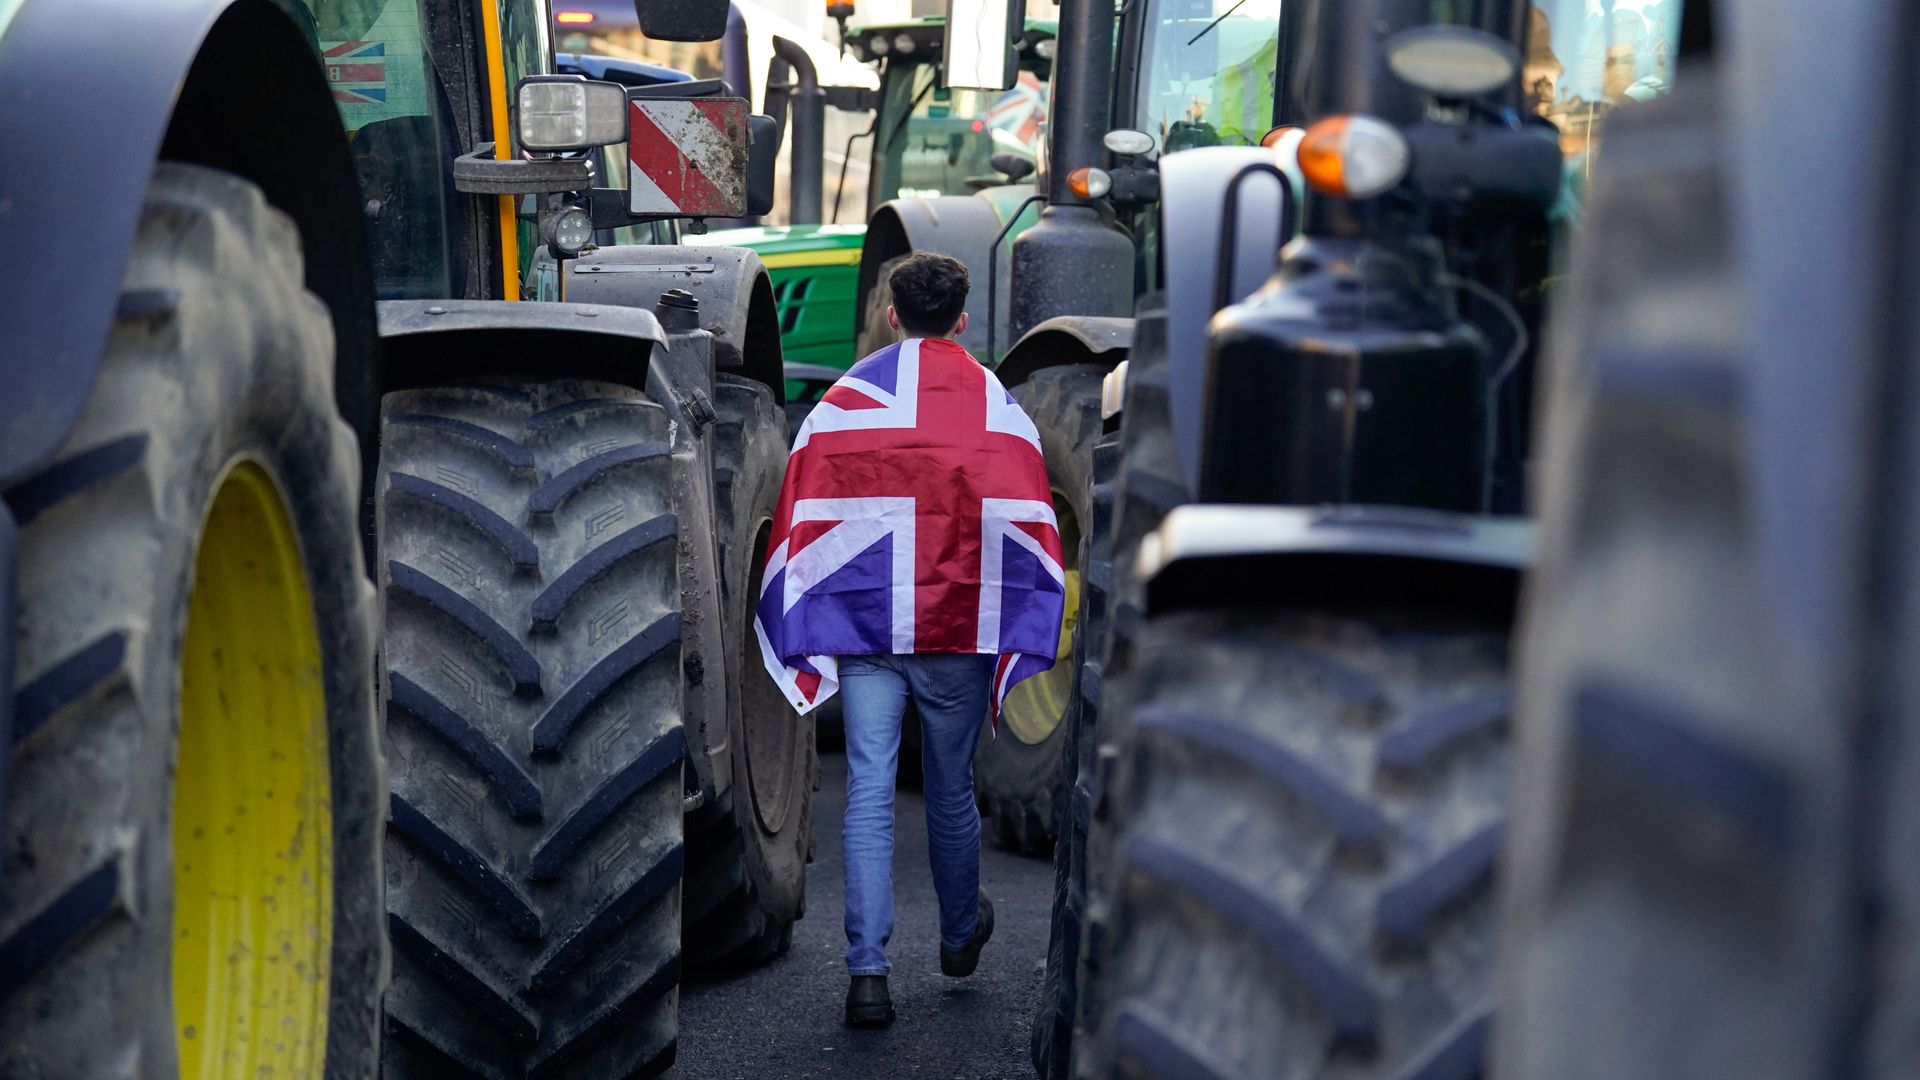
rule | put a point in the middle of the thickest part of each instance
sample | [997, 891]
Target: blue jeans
[951, 692]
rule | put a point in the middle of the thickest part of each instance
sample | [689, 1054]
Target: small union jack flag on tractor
[357, 72]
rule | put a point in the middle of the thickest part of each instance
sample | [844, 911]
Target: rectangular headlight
[568, 112]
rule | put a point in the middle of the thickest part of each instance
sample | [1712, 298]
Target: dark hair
[929, 293]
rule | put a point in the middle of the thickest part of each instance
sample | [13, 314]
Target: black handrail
[993, 270]
[1230, 226]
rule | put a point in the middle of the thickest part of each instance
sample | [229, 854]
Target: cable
[1521, 339]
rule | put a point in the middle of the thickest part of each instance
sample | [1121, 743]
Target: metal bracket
[699, 409]
[852, 98]
[480, 173]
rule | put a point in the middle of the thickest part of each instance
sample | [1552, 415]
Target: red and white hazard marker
[689, 157]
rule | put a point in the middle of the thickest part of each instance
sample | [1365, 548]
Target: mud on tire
[530, 584]
[218, 371]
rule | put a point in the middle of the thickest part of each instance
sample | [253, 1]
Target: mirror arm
[480, 173]
[851, 98]
[609, 208]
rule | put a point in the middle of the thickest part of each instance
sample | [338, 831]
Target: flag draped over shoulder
[915, 518]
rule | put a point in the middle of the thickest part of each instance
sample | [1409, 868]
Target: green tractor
[925, 140]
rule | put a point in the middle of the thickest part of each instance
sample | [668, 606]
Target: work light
[569, 112]
[570, 231]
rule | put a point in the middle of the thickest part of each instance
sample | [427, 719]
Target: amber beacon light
[1353, 157]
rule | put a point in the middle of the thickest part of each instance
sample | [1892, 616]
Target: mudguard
[431, 342]
[1210, 554]
[736, 298]
[1067, 339]
[98, 90]
[1193, 185]
[962, 226]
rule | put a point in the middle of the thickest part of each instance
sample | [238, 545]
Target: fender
[433, 342]
[231, 84]
[962, 226]
[1067, 339]
[736, 298]
[1193, 187]
[1210, 555]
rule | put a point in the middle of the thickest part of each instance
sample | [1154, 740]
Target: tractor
[924, 140]
[1057, 263]
[490, 723]
[1295, 796]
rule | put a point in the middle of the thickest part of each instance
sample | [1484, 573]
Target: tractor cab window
[402, 144]
[1207, 73]
[940, 141]
[1586, 58]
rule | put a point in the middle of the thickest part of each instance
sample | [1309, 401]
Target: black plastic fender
[1067, 339]
[1193, 186]
[962, 226]
[432, 342]
[735, 294]
[92, 93]
[1209, 555]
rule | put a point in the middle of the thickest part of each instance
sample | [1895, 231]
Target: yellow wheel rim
[1034, 709]
[252, 823]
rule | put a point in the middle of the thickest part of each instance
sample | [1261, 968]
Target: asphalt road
[785, 1019]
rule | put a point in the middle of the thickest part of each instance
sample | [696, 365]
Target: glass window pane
[1207, 73]
[1586, 58]
[378, 73]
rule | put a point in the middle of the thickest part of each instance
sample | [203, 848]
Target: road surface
[785, 1020]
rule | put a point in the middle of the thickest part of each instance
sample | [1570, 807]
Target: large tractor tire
[192, 857]
[747, 883]
[1302, 823]
[1052, 1034]
[875, 334]
[1021, 771]
[1711, 873]
[529, 568]
[1137, 482]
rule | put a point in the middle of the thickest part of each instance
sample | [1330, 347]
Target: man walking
[914, 554]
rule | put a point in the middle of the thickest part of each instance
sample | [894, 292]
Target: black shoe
[868, 1003]
[960, 963]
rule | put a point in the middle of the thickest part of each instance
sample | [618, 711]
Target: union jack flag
[1018, 112]
[357, 71]
[915, 518]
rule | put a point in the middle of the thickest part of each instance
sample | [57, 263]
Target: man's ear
[893, 320]
[961, 326]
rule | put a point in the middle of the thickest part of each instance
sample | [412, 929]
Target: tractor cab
[930, 139]
[424, 103]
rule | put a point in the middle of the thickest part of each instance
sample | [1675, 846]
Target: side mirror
[978, 44]
[1015, 167]
[682, 20]
[763, 147]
